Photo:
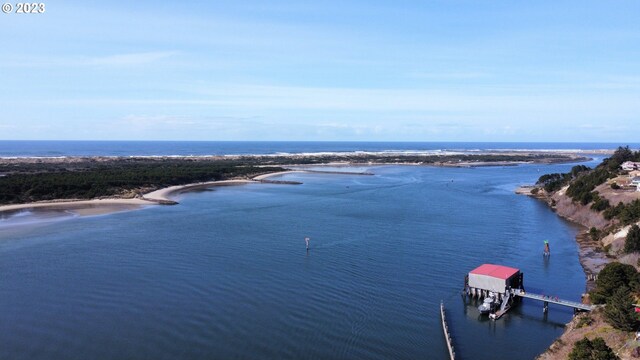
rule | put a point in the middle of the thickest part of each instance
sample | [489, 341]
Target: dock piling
[447, 335]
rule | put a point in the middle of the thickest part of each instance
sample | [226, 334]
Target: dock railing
[553, 300]
[447, 335]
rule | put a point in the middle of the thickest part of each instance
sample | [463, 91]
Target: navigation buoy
[547, 251]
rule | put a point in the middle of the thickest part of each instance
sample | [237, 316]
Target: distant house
[630, 165]
[635, 181]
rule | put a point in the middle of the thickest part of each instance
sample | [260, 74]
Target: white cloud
[451, 75]
[513, 102]
[127, 59]
[131, 59]
[173, 122]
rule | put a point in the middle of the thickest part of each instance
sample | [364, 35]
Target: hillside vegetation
[582, 182]
[617, 287]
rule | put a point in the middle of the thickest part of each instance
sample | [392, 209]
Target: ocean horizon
[68, 148]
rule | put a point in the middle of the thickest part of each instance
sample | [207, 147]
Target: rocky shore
[594, 254]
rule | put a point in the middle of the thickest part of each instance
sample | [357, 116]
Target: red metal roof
[497, 271]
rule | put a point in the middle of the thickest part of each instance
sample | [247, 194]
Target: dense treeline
[582, 182]
[581, 189]
[77, 164]
[406, 158]
[555, 181]
[85, 181]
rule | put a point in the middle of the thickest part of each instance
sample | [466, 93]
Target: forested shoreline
[28, 179]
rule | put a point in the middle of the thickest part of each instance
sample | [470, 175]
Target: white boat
[489, 304]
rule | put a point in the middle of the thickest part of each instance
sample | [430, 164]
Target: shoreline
[591, 259]
[442, 152]
[80, 207]
[105, 206]
[434, 158]
[163, 196]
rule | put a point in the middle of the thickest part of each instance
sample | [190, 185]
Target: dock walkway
[552, 300]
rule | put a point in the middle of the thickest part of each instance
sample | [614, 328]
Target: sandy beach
[164, 196]
[92, 207]
[81, 207]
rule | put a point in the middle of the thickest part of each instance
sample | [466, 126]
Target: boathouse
[493, 278]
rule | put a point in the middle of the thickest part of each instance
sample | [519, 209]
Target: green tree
[622, 154]
[632, 242]
[599, 204]
[594, 233]
[630, 212]
[595, 349]
[620, 312]
[611, 278]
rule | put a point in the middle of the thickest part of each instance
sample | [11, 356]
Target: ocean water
[225, 274]
[151, 148]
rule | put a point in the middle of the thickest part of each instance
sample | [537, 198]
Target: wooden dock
[498, 314]
[447, 335]
[553, 300]
[504, 307]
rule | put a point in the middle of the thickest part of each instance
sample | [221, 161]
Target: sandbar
[165, 194]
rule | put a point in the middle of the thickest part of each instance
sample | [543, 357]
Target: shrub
[594, 234]
[553, 182]
[614, 211]
[615, 186]
[632, 242]
[620, 312]
[581, 188]
[630, 213]
[599, 204]
[584, 321]
[614, 276]
[595, 349]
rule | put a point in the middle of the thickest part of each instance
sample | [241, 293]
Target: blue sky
[330, 70]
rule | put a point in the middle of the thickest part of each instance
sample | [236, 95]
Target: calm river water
[225, 274]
